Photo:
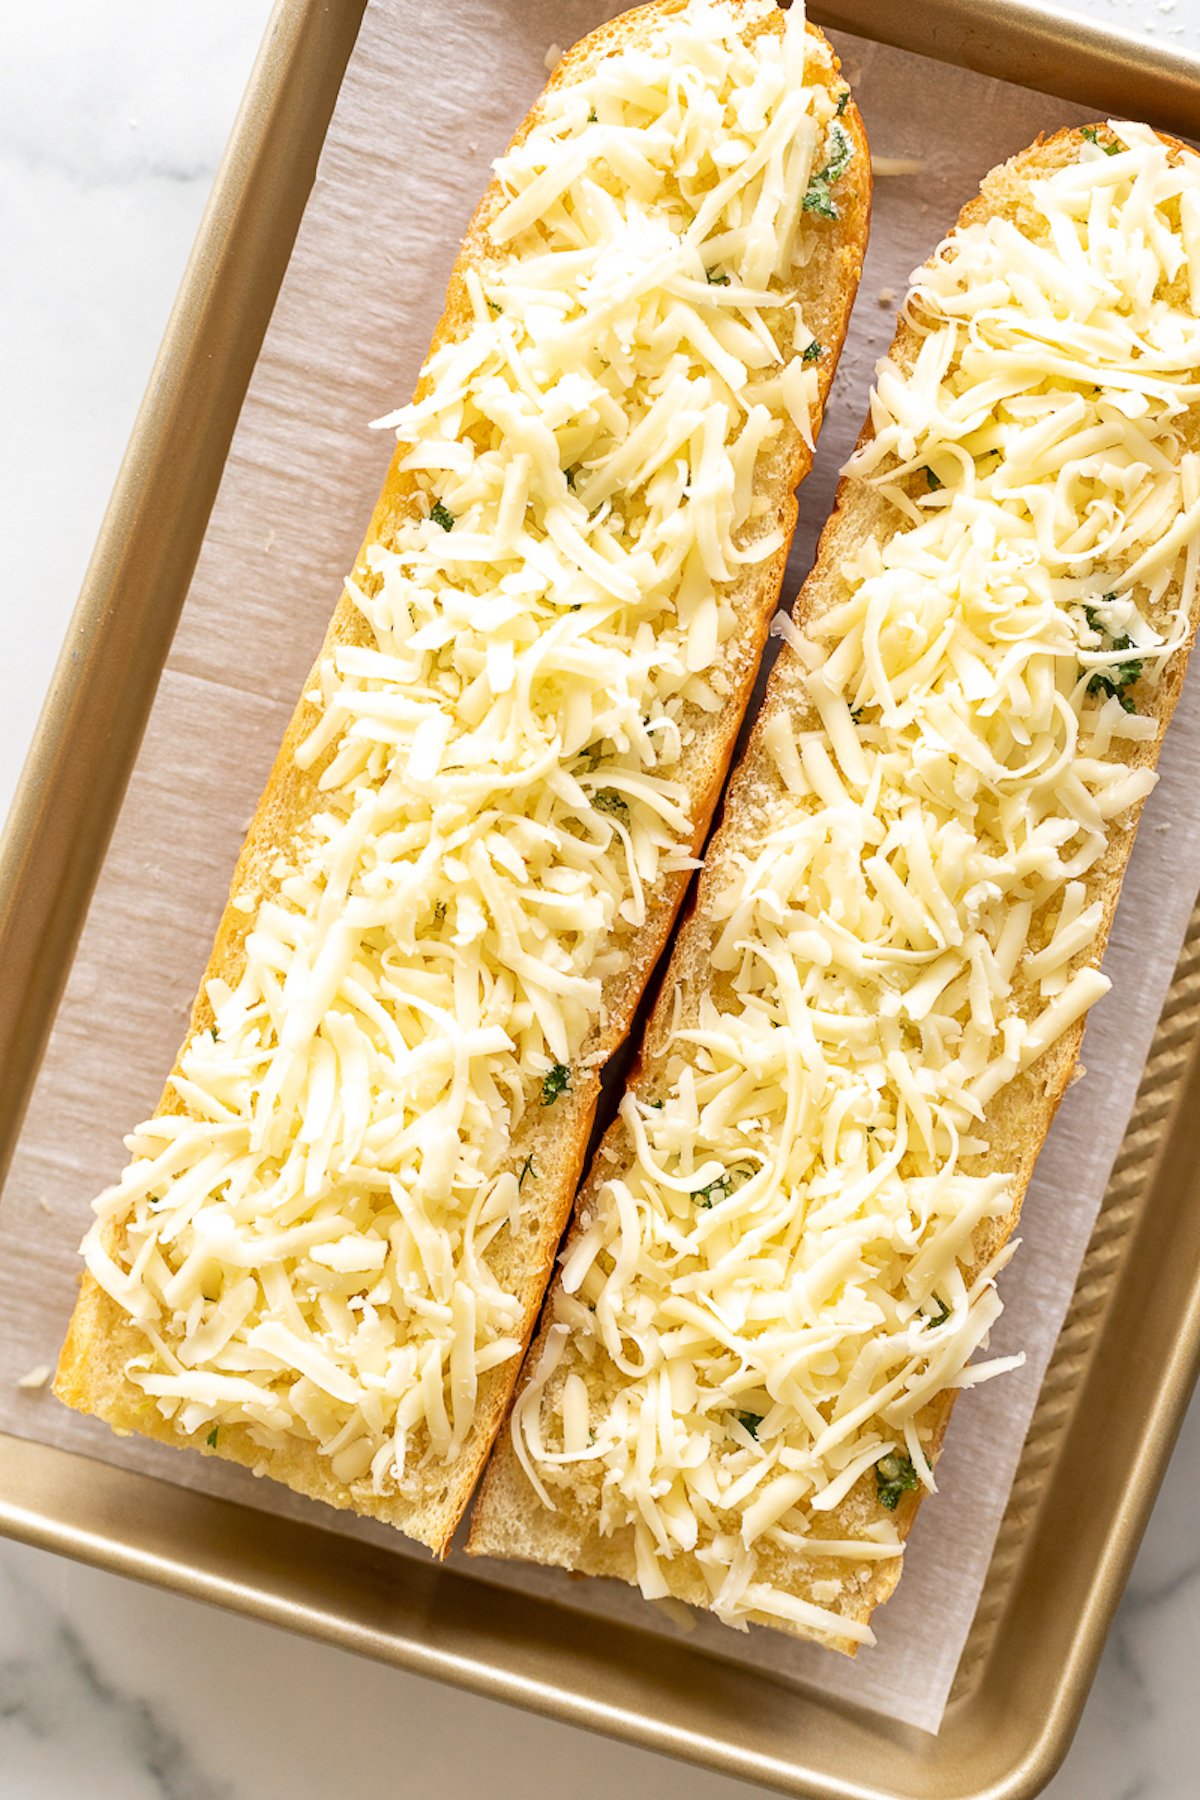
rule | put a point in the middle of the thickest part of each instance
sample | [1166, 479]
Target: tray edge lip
[18, 847]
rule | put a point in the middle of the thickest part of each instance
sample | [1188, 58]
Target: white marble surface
[112, 120]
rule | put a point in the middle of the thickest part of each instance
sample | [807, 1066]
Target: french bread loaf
[327, 1253]
[784, 1255]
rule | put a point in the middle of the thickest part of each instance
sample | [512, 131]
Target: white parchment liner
[431, 94]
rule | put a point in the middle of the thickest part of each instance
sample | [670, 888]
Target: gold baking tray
[1128, 1354]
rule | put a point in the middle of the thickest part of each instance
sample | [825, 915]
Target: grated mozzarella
[790, 1254]
[320, 1237]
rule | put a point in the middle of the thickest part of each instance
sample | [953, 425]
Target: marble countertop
[112, 121]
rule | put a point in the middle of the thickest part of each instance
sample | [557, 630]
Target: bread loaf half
[784, 1258]
[326, 1255]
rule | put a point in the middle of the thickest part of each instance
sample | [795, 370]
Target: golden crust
[506, 1519]
[101, 1339]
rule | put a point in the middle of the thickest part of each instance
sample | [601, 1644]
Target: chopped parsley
[842, 103]
[1111, 683]
[935, 481]
[211, 1439]
[607, 800]
[818, 198]
[441, 515]
[213, 1033]
[749, 1422]
[528, 1167]
[494, 306]
[592, 116]
[717, 279]
[856, 713]
[814, 353]
[722, 1187]
[555, 1081]
[1110, 146]
[569, 475]
[894, 1475]
[941, 1315]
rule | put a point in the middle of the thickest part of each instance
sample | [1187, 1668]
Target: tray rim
[57, 834]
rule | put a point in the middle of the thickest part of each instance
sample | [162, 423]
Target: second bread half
[784, 1257]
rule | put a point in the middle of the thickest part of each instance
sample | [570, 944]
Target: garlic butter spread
[780, 1268]
[318, 1245]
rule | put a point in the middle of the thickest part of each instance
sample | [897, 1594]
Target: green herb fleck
[569, 475]
[857, 713]
[1109, 686]
[439, 911]
[1130, 671]
[1111, 683]
[592, 116]
[817, 201]
[841, 148]
[814, 353]
[842, 151]
[607, 800]
[1110, 146]
[894, 1475]
[211, 1439]
[941, 1315]
[749, 1422]
[493, 306]
[842, 103]
[935, 481]
[528, 1167]
[715, 279]
[722, 1187]
[1092, 615]
[555, 1081]
[656, 1104]
[441, 515]
[213, 1034]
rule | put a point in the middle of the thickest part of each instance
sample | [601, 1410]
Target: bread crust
[101, 1339]
[507, 1521]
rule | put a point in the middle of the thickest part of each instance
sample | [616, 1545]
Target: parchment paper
[432, 93]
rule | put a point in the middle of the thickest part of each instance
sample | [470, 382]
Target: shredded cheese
[321, 1236]
[789, 1257]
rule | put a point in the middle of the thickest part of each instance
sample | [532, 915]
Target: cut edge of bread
[101, 1339]
[508, 1521]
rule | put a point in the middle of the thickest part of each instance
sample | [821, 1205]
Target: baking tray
[1127, 1357]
